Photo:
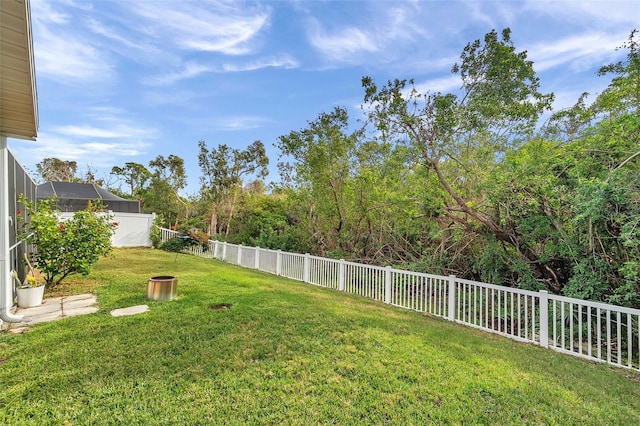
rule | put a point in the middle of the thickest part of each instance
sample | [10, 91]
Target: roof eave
[19, 118]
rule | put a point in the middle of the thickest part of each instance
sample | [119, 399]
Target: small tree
[66, 247]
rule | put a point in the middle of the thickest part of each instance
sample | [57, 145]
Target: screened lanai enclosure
[72, 197]
[19, 182]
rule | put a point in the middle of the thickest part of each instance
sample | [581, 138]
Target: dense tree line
[486, 182]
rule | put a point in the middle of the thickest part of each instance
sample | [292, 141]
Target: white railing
[16, 253]
[591, 330]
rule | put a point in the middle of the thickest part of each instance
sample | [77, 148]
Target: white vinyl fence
[133, 230]
[591, 330]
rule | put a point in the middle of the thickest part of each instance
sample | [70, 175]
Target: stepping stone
[132, 310]
[81, 310]
[74, 298]
[48, 306]
[53, 309]
[71, 303]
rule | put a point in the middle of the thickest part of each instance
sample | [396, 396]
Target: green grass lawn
[285, 353]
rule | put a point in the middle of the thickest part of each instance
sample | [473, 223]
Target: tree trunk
[213, 224]
[232, 207]
[499, 232]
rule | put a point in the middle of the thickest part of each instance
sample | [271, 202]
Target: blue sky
[128, 80]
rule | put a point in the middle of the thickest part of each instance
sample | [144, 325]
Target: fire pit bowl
[162, 287]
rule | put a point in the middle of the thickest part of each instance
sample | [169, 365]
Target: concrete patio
[54, 309]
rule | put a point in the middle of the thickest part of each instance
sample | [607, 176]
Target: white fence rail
[16, 253]
[591, 330]
[133, 230]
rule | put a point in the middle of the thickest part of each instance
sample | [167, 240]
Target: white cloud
[188, 70]
[99, 154]
[388, 35]
[224, 27]
[602, 13]
[233, 123]
[185, 99]
[45, 12]
[285, 62]
[60, 53]
[110, 33]
[106, 113]
[63, 56]
[120, 131]
[480, 14]
[193, 69]
[581, 52]
[105, 136]
[112, 149]
[402, 23]
[443, 84]
[343, 44]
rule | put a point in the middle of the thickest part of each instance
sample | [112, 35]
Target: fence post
[387, 285]
[240, 255]
[257, 258]
[452, 298]
[305, 272]
[215, 249]
[224, 251]
[544, 318]
[279, 262]
[341, 275]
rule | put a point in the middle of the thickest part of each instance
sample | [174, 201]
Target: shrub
[186, 239]
[177, 244]
[156, 234]
[66, 247]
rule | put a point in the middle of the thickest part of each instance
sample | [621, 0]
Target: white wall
[134, 229]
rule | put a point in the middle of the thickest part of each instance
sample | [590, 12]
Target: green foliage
[135, 176]
[159, 191]
[321, 159]
[56, 170]
[66, 247]
[589, 280]
[223, 172]
[178, 244]
[155, 233]
[461, 138]
[162, 195]
[467, 183]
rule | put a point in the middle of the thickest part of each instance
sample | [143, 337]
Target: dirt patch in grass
[219, 306]
[72, 286]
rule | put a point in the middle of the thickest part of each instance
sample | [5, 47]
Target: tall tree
[171, 170]
[136, 176]
[53, 169]
[168, 178]
[320, 160]
[223, 170]
[498, 106]
[602, 166]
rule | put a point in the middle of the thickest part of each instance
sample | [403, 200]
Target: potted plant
[31, 291]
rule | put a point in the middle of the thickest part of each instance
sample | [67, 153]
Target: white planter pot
[30, 296]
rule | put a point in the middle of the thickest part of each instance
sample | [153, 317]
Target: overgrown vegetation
[469, 182]
[284, 353]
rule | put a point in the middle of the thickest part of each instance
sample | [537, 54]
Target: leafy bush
[156, 235]
[177, 244]
[66, 247]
